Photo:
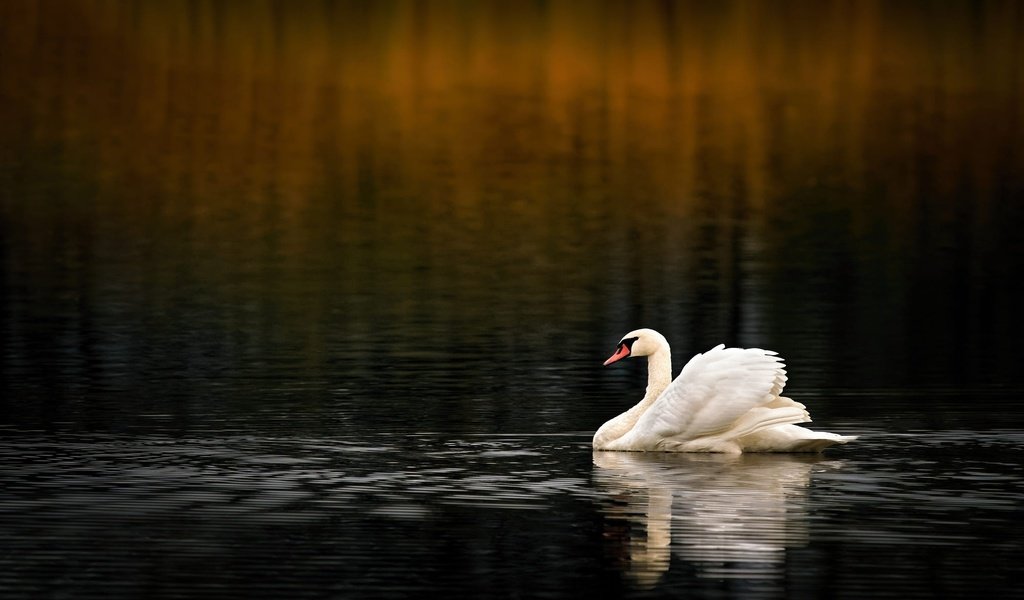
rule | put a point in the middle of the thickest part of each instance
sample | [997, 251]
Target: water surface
[310, 300]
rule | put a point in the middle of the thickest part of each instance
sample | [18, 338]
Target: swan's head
[641, 342]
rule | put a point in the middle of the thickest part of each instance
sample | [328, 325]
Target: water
[913, 514]
[310, 300]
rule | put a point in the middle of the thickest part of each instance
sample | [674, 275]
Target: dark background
[209, 206]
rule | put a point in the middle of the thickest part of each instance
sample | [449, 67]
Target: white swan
[724, 400]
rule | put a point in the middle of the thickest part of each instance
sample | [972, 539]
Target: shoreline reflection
[728, 516]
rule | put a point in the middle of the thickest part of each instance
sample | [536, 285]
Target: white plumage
[724, 400]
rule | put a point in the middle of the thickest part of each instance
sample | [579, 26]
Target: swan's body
[724, 400]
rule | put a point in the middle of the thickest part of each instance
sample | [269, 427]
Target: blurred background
[332, 216]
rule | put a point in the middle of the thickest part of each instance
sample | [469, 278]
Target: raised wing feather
[714, 391]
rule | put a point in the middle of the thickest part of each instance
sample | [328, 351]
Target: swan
[724, 400]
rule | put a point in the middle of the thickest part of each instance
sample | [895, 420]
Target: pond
[310, 300]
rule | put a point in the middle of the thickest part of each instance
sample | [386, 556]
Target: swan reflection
[727, 515]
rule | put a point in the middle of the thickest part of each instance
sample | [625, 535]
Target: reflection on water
[95, 516]
[915, 514]
[833, 178]
[210, 192]
[730, 516]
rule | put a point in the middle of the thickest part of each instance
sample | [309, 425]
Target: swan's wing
[715, 390]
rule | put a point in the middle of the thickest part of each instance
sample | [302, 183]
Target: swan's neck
[659, 375]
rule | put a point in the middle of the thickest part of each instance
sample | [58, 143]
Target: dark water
[310, 299]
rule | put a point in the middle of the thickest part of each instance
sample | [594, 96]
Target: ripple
[258, 476]
[716, 517]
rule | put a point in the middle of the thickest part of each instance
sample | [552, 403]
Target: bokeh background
[214, 199]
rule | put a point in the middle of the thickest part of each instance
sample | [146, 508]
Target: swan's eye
[628, 343]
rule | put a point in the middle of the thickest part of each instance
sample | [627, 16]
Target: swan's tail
[791, 438]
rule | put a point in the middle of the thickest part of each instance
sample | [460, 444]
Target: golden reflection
[634, 97]
[379, 142]
[726, 515]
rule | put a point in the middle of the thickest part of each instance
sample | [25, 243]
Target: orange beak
[620, 353]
